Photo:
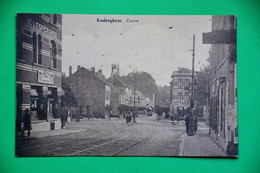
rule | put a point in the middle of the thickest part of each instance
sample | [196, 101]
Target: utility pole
[191, 123]
[135, 72]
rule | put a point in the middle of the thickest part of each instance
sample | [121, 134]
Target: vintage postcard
[126, 85]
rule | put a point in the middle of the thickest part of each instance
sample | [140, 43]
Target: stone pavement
[200, 145]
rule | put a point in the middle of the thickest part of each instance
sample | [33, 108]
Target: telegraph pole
[135, 72]
[191, 123]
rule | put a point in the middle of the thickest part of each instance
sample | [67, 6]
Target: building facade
[180, 92]
[223, 83]
[91, 90]
[38, 70]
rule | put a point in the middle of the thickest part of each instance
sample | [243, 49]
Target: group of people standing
[131, 117]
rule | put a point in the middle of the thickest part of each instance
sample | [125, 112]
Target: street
[103, 137]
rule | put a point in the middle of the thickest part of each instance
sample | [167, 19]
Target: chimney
[100, 73]
[70, 70]
[93, 71]
[78, 67]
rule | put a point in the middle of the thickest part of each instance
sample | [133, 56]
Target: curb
[49, 134]
[181, 145]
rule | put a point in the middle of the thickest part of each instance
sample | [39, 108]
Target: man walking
[187, 121]
[26, 122]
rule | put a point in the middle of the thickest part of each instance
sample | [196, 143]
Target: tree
[144, 82]
[201, 93]
[163, 96]
[68, 99]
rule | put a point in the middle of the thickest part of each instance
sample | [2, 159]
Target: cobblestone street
[103, 137]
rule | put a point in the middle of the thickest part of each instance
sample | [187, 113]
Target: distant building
[223, 83]
[180, 92]
[38, 69]
[115, 70]
[122, 94]
[90, 89]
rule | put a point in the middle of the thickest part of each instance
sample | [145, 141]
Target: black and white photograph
[126, 85]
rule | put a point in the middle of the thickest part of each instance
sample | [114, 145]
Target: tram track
[128, 147]
[69, 141]
[58, 141]
[101, 140]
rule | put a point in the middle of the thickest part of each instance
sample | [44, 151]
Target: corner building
[38, 70]
[223, 83]
[180, 92]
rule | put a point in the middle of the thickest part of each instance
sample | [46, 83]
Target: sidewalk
[68, 129]
[71, 127]
[52, 133]
[200, 145]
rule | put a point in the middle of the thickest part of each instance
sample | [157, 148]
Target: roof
[84, 70]
[116, 81]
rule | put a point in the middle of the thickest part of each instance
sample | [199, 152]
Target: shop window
[53, 54]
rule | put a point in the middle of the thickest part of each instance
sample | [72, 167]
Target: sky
[156, 44]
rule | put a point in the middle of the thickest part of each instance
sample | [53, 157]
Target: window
[180, 97]
[54, 19]
[187, 97]
[235, 22]
[213, 88]
[34, 48]
[39, 49]
[180, 83]
[187, 83]
[53, 54]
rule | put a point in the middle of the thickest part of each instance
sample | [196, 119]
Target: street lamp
[195, 85]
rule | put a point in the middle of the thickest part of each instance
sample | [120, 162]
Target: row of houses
[94, 92]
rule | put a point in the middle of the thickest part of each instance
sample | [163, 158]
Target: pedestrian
[27, 122]
[133, 116]
[63, 119]
[195, 124]
[128, 118]
[187, 121]
[88, 112]
[109, 114]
